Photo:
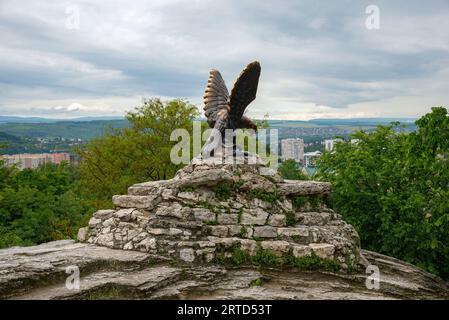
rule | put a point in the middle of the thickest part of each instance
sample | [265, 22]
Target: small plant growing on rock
[223, 191]
[266, 258]
[270, 197]
[211, 223]
[314, 201]
[220, 257]
[239, 215]
[239, 256]
[256, 283]
[299, 201]
[186, 189]
[207, 205]
[243, 232]
[290, 219]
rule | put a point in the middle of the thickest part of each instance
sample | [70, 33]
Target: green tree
[39, 205]
[122, 157]
[393, 187]
[289, 170]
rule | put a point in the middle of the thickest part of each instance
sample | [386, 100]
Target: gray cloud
[318, 59]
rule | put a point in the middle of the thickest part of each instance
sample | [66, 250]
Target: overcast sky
[318, 58]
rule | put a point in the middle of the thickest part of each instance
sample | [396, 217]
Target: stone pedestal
[211, 211]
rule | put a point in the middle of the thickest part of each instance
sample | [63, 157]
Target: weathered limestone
[208, 209]
[39, 272]
[323, 250]
[302, 251]
[254, 217]
[138, 202]
[265, 232]
[292, 187]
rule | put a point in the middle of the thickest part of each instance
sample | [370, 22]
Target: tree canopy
[289, 170]
[122, 157]
[393, 187]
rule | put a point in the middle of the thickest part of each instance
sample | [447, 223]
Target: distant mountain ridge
[319, 121]
[17, 119]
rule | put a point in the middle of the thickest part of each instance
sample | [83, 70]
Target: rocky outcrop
[214, 231]
[213, 212]
[39, 272]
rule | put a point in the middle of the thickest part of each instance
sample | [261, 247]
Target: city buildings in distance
[30, 161]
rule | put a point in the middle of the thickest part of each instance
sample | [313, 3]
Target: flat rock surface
[39, 272]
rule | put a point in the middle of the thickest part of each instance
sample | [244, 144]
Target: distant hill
[89, 127]
[7, 138]
[362, 121]
[14, 119]
[64, 129]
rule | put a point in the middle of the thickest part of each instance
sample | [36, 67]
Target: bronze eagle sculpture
[224, 111]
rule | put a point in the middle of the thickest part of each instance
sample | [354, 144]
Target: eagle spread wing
[244, 92]
[224, 111]
[216, 96]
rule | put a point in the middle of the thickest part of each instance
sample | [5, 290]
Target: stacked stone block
[210, 209]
